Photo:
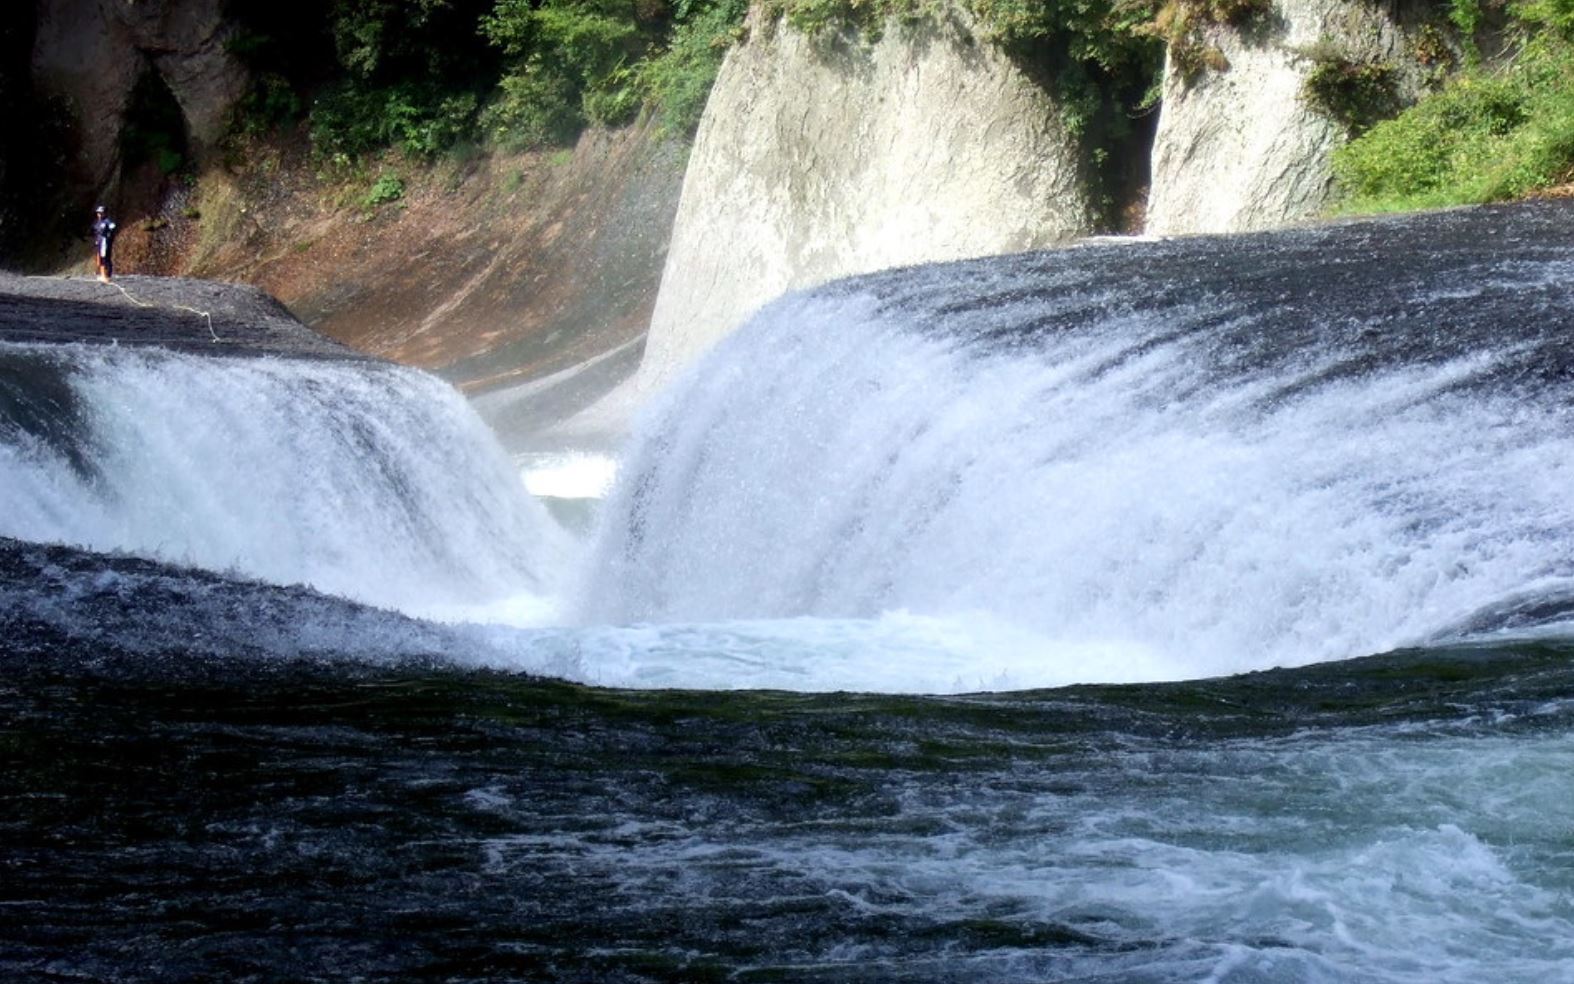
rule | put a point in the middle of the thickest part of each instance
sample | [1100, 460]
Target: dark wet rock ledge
[169, 312]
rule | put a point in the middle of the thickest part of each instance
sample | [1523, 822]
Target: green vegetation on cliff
[428, 75]
[579, 61]
[1497, 129]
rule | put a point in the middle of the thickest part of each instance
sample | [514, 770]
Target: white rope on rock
[181, 307]
[147, 304]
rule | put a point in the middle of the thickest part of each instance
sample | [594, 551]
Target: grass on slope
[1489, 134]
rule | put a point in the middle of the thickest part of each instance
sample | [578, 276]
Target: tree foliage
[677, 79]
[424, 75]
[570, 61]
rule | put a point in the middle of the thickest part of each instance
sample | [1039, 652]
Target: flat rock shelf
[169, 312]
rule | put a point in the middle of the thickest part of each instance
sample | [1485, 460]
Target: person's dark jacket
[104, 235]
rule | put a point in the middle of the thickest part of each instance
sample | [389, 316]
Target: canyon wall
[492, 271]
[91, 53]
[818, 159]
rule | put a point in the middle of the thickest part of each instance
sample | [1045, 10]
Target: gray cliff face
[1239, 149]
[821, 160]
[92, 52]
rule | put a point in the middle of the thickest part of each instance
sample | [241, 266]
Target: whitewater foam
[1345, 856]
[1136, 485]
[373, 482]
[568, 475]
[1010, 473]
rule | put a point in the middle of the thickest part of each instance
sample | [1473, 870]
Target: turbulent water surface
[298, 682]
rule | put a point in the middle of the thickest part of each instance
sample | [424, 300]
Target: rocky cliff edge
[173, 312]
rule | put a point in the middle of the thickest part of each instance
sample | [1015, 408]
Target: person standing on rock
[103, 243]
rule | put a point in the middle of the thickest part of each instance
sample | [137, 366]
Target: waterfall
[1155, 460]
[369, 481]
[1122, 462]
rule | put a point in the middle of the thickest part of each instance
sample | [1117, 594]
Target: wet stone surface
[169, 312]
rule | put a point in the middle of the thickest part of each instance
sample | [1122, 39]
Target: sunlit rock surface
[1239, 149]
[819, 159]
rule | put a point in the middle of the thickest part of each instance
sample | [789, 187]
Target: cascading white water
[1094, 484]
[1120, 463]
[369, 481]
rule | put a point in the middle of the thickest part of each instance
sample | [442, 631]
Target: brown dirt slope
[491, 270]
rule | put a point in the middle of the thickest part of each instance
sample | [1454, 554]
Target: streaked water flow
[368, 481]
[1261, 459]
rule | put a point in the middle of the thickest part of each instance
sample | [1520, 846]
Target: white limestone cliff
[822, 159]
[1238, 149]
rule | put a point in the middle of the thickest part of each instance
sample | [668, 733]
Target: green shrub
[571, 64]
[866, 19]
[429, 41]
[1555, 17]
[1354, 94]
[613, 99]
[380, 73]
[677, 80]
[1114, 35]
[387, 188]
[350, 119]
[347, 120]
[271, 103]
[1466, 15]
[532, 109]
[1485, 136]
[425, 126]
[1180, 23]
